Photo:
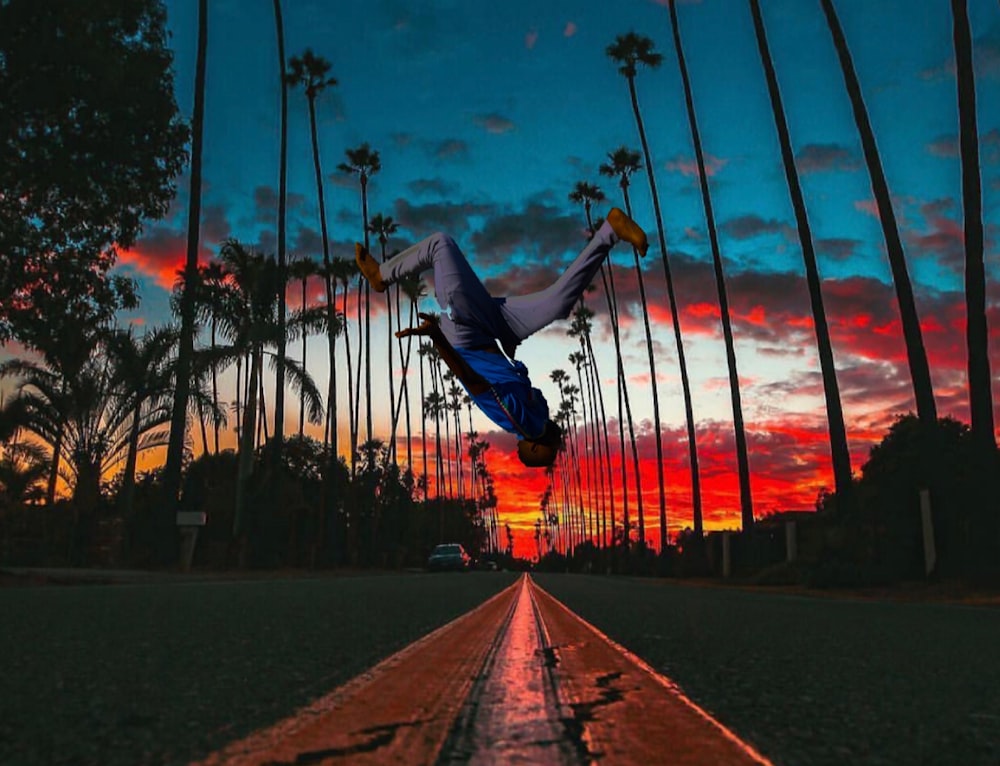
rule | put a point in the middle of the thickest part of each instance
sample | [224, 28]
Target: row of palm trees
[240, 300]
[629, 52]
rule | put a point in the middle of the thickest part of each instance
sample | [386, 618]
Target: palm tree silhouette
[364, 162]
[425, 351]
[23, 468]
[185, 353]
[344, 272]
[211, 305]
[587, 194]
[312, 73]
[302, 269]
[581, 327]
[841, 457]
[742, 459]
[91, 416]
[579, 360]
[916, 354]
[976, 332]
[279, 372]
[141, 371]
[629, 51]
[384, 227]
[622, 165]
[414, 289]
[251, 324]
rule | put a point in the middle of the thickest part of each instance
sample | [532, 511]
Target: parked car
[448, 557]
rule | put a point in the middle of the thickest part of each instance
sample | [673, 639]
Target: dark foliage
[90, 142]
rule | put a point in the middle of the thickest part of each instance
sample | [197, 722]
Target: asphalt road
[162, 673]
[814, 680]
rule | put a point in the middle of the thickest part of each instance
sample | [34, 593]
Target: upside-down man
[474, 322]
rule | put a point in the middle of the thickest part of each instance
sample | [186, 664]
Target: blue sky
[485, 116]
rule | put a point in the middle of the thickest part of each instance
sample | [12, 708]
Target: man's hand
[428, 327]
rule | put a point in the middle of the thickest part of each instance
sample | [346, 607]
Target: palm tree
[454, 394]
[425, 350]
[587, 194]
[312, 73]
[23, 468]
[211, 302]
[841, 457]
[916, 355]
[344, 271]
[89, 415]
[302, 269]
[251, 324]
[629, 51]
[364, 162]
[742, 459]
[185, 353]
[623, 164]
[976, 333]
[581, 327]
[279, 373]
[414, 289]
[433, 408]
[384, 227]
[141, 371]
[579, 360]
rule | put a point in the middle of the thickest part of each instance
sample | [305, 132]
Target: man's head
[541, 452]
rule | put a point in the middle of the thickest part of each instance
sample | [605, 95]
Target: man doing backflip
[473, 322]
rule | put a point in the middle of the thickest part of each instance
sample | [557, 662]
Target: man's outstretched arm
[472, 380]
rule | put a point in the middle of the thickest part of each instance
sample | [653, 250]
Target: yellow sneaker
[628, 230]
[369, 268]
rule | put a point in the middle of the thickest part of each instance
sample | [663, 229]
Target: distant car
[448, 557]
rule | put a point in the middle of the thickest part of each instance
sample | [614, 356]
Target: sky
[485, 115]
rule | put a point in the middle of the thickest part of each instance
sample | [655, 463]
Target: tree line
[101, 395]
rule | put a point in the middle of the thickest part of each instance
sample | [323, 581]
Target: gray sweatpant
[472, 317]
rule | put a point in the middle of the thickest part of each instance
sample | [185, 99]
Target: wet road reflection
[519, 679]
[513, 715]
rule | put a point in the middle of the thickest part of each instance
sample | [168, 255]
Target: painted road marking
[513, 715]
[627, 712]
[401, 711]
[519, 679]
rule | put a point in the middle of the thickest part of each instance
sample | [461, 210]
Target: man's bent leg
[527, 314]
[469, 310]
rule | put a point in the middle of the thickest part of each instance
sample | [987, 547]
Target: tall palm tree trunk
[352, 403]
[661, 481]
[916, 355]
[127, 493]
[185, 353]
[841, 457]
[742, 458]
[976, 332]
[328, 281]
[423, 426]
[246, 451]
[305, 336]
[279, 380]
[607, 276]
[215, 390]
[603, 433]
[50, 487]
[678, 339]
